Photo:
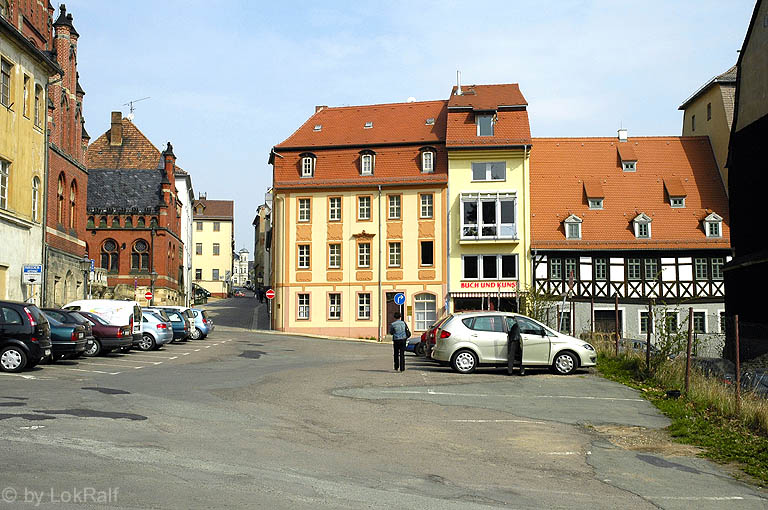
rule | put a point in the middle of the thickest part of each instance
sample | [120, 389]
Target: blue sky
[229, 79]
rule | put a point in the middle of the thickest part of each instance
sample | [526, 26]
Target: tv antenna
[131, 108]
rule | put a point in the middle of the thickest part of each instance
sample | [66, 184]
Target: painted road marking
[501, 421]
[23, 376]
[126, 360]
[450, 394]
[93, 371]
[151, 356]
[110, 365]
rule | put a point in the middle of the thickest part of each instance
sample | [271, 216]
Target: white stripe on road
[111, 365]
[450, 394]
[23, 376]
[150, 356]
[707, 498]
[500, 421]
[92, 371]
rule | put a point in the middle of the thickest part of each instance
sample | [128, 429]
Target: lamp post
[85, 267]
[152, 278]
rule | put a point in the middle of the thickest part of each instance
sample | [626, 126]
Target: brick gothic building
[134, 215]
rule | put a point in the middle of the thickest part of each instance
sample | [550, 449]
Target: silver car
[155, 331]
[469, 339]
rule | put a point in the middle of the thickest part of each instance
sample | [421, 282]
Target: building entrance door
[605, 321]
[391, 309]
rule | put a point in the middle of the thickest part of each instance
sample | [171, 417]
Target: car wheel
[12, 359]
[464, 361]
[196, 334]
[565, 363]
[93, 350]
[147, 343]
[419, 349]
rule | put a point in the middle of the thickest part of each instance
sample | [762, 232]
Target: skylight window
[430, 121]
[318, 127]
[368, 125]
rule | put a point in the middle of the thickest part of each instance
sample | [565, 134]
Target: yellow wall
[518, 181]
[753, 79]
[208, 261]
[349, 280]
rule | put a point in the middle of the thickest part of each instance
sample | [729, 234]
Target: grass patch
[706, 418]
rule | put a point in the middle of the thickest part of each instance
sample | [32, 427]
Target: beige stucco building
[213, 244]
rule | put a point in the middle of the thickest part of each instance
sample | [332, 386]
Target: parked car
[179, 325]
[203, 325]
[414, 345]
[185, 311]
[156, 330]
[72, 317]
[115, 312]
[106, 336]
[428, 338]
[67, 340]
[25, 336]
[468, 339]
[239, 293]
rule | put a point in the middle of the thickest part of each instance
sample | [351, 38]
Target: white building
[186, 195]
[240, 268]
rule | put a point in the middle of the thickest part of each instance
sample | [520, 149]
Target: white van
[117, 313]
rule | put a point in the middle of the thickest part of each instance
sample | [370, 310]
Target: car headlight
[588, 347]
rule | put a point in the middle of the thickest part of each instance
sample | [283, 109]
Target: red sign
[270, 294]
[489, 285]
[148, 296]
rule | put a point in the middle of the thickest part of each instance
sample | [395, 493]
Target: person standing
[514, 349]
[399, 331]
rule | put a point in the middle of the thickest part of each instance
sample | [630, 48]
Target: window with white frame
[5, 82]
[489, 171]
[644, 324]
[334, 306]
[677, 202]
[555, 269]
[364, 208]
[488, 216]
[216, 248]
[35, 198]
[489, 267]
[425, 306]
[629, 166]
[595, 203]
[303, 256]
[713, 225]
[366, 164]
[484, 125]
[304, 210]
[601, 269]
[700, 268]
[670, 321]
[570, 268]
[427, 162]
[717, 268]
[573, 227]
[651, 269]
[394, 207]
[427, 209]
[699, 322]
[394, 254]
[334, 256]
[38, 105]
[713, 229]
[307, 165]
[334, 209]
[642, 225]
[5, 170]
[364, 255]
[303, 306]
[633, 269]
[364, 305]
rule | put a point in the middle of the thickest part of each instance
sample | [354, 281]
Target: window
[334, 306]
[25, 106]
[642, 225]
[140, 256]
[35, 198]
[427, 253]
[394, 207]
[5, 170]
[217, 226]
[709, 111]
[73, 205]
[215, 274]
[490, 267]
[38, 105]
[717, 268]
[693, 123]
[198, 274]
[199, 226]
[595, 203]
[426, 311]
[216, 248]
[364, 208]
[484, 125]
[670, 320]
[427, 208]
[644, 324]
[304, 210]
[488, 323]
[307, 165]
[677, 202]
[198, 248]
[5, 83]
[629, 166]
[10, 316]
[427, 162]
[601, 269]
[303, 306]
[570, 268]
[633, 269]
[555, 269]
[334, 256]
[713, 229]
[564, 326]
[334, 209]
[303, 256]
[140, 223]
[722, 322]
[364, 305]
[700, 268]
[128, 222]
[110, 256]
[488, 216]
[60, 200]
[394, 254]
[364, 255]
[366, 164]
[699, 322]
[494, 171]
[573, 227]
[651, 270]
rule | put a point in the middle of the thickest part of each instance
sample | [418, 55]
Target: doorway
[605, 321]
[391, 308]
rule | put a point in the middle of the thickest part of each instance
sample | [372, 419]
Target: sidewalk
[260, 316]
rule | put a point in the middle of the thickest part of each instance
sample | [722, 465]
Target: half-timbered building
[640, 219]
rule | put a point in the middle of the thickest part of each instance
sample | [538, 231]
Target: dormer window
[628, 166]
[677, 202]
[427, 160]
[713, 225]
[595, 203]
[594, 191]
[367, 162]
[676, 191]
[642, 223]
[573, 227]
[484, 124]
[307, 164]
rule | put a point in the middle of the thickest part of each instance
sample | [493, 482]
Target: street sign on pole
[399, 298]
[32, 274]
[270, 294]
[148, 296]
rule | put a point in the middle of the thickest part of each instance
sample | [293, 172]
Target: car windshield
[96, 319]
[81, 319]
[60, 317]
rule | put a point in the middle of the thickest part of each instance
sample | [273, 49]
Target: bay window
[488, 216]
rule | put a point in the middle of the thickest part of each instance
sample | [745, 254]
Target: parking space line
[93, 371]
[124, 360]
[185, 354]
[108, 365]
[23, 376]
[501, 395]
[500, 421]
[151, 356]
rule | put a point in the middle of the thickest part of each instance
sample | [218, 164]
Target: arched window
[153, 222]
[72, 204]
[103, 222]
[35, 198]
[60, 195]
[140, 256]
[129, 222]
[110, 256]
[90, 223]
[115, 222]
[426, 311]
[141, 223]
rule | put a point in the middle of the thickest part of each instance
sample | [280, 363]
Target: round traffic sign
[399, 298]
[270, 294]
[148, 296]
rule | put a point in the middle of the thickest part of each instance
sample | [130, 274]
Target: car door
[487, 333]
[535, 342]
[11, 324]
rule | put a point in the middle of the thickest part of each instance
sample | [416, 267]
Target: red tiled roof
[135, 152]
[626, 151]
[511, 126]
[593, 188]
[674, 187]
[221, 209]
[391, 124]
[487, 97]
[561, 166]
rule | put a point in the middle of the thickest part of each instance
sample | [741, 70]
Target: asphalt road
[250, 419]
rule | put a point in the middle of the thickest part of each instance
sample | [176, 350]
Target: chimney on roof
[202, 196]
[320, 107]
[169, 162]
[622, 134]
[458, 83]
[116, 131]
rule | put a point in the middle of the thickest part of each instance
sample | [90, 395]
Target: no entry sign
[270, 294]
[148, 296]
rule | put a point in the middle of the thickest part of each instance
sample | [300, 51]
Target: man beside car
[514, 348]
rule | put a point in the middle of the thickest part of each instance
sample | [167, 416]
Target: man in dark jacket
[514, 349]
[399, 331]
